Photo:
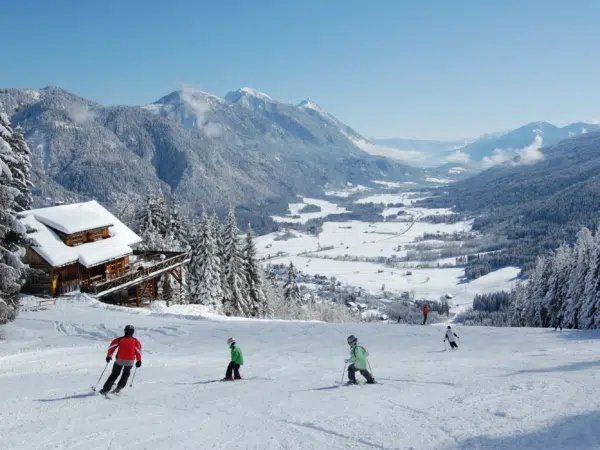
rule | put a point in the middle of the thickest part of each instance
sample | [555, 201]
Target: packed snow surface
[503, 389]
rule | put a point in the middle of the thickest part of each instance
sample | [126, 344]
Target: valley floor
[504, 389]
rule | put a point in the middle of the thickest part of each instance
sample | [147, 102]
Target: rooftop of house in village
[68, 220]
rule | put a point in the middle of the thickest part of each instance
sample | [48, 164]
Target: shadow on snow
[573, 432]
[573, 367]
[70, 397]
[314, 427]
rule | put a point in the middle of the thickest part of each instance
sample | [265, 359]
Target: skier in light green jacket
[358, 361]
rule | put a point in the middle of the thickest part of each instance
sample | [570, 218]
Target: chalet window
[95, 235]
[77, 239]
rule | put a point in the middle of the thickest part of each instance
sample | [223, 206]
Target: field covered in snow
[504, 389]
[295, 208]
[352, 252]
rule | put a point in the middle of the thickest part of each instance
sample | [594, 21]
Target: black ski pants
[116, 371]
[424, 319]
[233, 370]
[352, 373]
[453, 344]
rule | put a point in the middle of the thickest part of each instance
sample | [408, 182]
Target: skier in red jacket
[129, 353]
[425, 311]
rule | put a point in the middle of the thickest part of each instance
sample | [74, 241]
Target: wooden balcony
[144, 266]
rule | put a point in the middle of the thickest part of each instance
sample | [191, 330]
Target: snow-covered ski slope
[504, 389]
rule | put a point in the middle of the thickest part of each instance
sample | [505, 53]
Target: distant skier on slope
[129, 353]
[451, 335]
[425, 312]
[237, 360]
[358, 361]
[558, 323]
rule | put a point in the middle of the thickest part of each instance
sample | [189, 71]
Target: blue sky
[431, 69]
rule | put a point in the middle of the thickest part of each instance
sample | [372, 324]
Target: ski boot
[351, 382]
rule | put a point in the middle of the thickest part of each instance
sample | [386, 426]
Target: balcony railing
[147, 265]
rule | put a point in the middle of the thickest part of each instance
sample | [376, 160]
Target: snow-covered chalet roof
[76, 218]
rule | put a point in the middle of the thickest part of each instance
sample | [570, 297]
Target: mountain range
[491, 149]
[534, 207]
[204, 150]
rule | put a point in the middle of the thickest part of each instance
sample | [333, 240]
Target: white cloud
[459, 157]
[407, 156]
[80, 113]
[200, 104]
[531, 154]
[499, 156]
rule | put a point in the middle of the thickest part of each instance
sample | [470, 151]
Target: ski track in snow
[503, 389]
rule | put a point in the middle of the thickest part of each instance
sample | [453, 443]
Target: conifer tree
[205, 277]
[558, 283]
[236, 298]
[291, 292]
[254, 280]
[12, 233]
[589, 302]
[153, 215]
[21, 171]
[582, 254]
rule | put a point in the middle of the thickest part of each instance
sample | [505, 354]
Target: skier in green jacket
[237, 360]
[358, 361]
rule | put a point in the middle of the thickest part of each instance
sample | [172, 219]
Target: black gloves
[108, 359]
[138, 364]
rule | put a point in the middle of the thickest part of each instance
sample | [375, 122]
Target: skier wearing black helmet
[451, 335]
[358, 361]
[129, 352]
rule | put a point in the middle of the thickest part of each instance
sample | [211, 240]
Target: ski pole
[372, 374]
[133, 377]
[343, 373]
[94, 387]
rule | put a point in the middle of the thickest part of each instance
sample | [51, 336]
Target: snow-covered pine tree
[12, 233]
[536, 292]
[193, 267]
[558, 285]
[236, 295]
[178, 228]
[518, 299]
[205, 267]
[218, 233]
[291, 291]
[589, 302]
[153, 215]
[21, 171]
[582, 254]
[254, 280]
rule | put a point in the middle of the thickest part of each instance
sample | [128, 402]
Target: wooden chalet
[84, 247]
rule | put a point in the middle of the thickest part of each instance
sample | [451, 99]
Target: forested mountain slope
[536, 206]
[198, 148]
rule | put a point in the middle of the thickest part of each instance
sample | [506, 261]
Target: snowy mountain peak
[255, 93]
[247, 97]
[190, 96]
[309, 104]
